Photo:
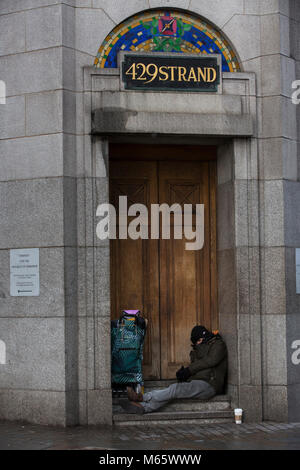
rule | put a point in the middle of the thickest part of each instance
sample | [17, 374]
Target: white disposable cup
[238, 413]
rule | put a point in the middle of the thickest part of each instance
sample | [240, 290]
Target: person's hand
[179, 373]
[183, 374]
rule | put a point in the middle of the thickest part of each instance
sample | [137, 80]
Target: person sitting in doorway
[203, 378]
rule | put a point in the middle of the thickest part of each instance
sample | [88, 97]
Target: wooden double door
[174, 288]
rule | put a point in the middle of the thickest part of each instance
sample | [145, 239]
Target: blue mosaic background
[193, 36]
[165, 31]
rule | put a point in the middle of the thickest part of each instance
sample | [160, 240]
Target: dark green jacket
[209, 363]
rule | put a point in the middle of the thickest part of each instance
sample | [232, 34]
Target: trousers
[195, 389]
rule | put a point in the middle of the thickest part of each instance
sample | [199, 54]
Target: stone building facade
[60, 116]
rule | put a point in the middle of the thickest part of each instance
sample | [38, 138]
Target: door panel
[173, 287]
[185, 284]
[134, 263]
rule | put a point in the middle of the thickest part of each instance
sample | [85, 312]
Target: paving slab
[226, 436]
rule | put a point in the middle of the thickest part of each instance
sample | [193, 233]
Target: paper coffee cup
[238, 413]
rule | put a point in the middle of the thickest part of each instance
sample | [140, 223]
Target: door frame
[114, 115]
[206, 154]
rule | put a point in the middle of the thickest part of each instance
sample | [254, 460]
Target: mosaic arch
[165, 31]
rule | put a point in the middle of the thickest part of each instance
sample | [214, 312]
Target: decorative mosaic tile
[165, 31]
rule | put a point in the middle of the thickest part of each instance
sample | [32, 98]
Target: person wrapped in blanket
[202, 379]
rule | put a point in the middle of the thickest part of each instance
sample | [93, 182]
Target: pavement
[227, 436]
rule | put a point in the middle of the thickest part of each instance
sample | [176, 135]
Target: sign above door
[170, 72]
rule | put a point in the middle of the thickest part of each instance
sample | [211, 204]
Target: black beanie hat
[199, 332]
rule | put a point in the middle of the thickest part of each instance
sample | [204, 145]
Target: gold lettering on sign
[152, 71]
[138, 66]
[172, 67]
[212, 72]
[162, 72]
[201, 74]
[133, 73]
[192, 75]
[152, 74]
[181, 74]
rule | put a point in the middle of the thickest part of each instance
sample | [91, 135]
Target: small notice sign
[24, 272]
[170, 72]
[297, 270]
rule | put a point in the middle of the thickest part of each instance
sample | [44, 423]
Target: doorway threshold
[184, 411]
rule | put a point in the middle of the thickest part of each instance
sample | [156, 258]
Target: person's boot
[133, 407]
[133, 396]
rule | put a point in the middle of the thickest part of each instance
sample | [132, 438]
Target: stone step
[217, 403]
[183, 411]
[197, 405]
[173, 418]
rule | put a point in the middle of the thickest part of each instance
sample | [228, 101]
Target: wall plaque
[24, 272]
[170, 72]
